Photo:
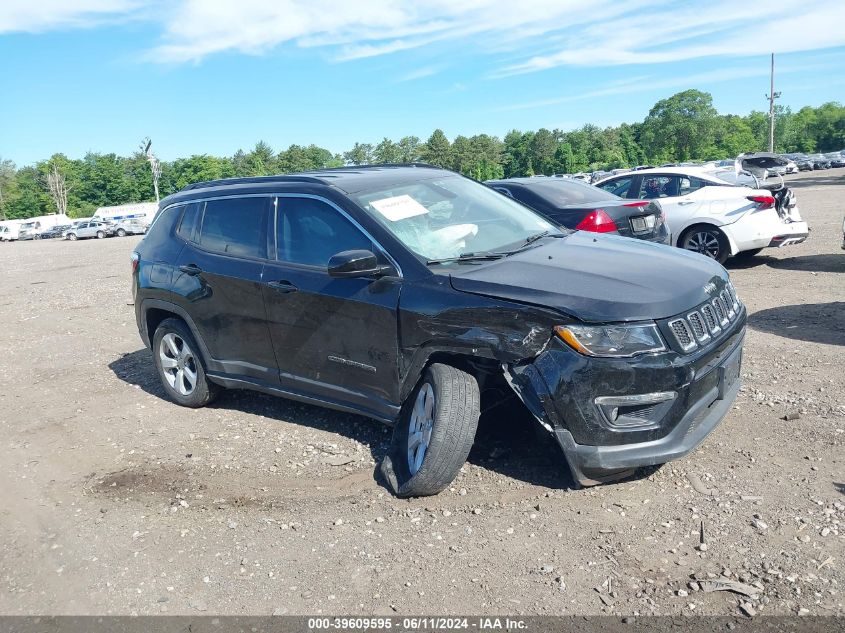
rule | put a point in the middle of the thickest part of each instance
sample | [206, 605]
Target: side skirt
[387, 415]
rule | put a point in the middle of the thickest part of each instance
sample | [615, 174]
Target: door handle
[686, 202]
[282, 286]
[191, 269]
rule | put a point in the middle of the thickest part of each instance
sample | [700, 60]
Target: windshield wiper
[467, 257]
[538, 236]
[533, 238]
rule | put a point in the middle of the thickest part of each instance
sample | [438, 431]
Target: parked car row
[791, 164]
[688, 207]
[56, 226]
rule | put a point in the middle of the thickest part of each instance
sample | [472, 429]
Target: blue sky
[213, 76]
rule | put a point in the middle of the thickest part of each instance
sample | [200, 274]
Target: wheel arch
[154, 311]
[488, 373]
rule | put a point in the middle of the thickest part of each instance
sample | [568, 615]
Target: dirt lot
[115, 501]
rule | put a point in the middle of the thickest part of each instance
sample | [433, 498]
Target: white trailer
[10, 229]
[144, 211]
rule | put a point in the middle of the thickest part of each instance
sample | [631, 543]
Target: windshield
[451, 216]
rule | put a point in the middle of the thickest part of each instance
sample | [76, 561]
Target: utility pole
[771, 97]
[147, 150]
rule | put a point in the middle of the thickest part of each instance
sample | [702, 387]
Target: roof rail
[310, 176]
[249, 180]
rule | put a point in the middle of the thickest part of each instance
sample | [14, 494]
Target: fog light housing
[635, 411]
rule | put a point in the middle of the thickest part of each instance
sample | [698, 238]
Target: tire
[173, 340]
[434, 433]
[748, 254]
[100, 235]
[36, 237]
[121, 233]
[707, 240]
[72, 237]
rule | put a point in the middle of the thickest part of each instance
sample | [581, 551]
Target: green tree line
[682, 127]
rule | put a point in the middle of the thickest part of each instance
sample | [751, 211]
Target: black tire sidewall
[426, 481]
[204, 391]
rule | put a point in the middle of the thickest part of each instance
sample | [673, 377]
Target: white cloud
[421, 73]
[34, 16]
[518, 36]
[353, 30]
[723, 28]
[648, 83]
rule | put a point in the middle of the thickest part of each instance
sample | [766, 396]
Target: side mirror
[358, 263]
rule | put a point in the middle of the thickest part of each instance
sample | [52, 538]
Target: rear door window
[235, 226]
[618, 187]
[652, 187]
[310, 231]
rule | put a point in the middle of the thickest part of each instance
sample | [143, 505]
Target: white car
[712, 216]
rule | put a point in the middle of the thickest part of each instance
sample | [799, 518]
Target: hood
[598, 278]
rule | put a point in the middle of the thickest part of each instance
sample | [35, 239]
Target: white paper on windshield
[398, 207]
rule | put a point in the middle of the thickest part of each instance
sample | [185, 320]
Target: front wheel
[707, 240]
[121, 233]
[434, 434]
[100, 235]
[72, 237]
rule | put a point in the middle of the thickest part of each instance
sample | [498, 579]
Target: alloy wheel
[178, 364]
[703, 242]
[419, 431]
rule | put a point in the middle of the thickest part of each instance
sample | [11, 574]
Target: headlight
[617, 341]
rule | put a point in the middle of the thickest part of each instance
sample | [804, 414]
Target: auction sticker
[398, 207]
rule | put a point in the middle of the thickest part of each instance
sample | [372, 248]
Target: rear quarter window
[188, 223]
[158, 243]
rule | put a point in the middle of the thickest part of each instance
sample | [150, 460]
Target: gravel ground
[114, 501]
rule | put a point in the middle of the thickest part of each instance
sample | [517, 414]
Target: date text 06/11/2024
[416, 623]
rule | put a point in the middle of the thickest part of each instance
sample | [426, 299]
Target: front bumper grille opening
[706, 322]
[725, 297]
[683, 334]
[721, 311]
[710, 319]
[696, 322]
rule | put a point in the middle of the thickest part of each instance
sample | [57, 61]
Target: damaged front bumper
[564, 390]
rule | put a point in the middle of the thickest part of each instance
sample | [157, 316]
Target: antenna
[146, 148]
[771, 97]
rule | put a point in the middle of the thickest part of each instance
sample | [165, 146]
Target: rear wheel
[707, 240]
[180, 368]
[434, 434]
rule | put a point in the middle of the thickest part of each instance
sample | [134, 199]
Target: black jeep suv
[403, 292]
